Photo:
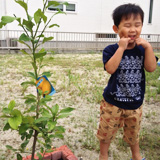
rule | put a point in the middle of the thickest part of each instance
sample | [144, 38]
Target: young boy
[124, 94]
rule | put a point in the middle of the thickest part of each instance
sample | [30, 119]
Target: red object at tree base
[62, 152]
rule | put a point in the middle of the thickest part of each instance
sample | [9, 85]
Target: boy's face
[129, 28]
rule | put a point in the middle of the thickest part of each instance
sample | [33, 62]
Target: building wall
[91, 16]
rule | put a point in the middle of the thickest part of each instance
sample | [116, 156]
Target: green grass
[79, 80]
[153, 84]
[150, 143]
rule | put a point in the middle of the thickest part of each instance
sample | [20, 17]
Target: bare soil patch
[79, 80]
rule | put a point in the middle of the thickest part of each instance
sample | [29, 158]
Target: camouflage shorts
[112, 118]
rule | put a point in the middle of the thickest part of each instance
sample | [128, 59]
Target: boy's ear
[115, 28]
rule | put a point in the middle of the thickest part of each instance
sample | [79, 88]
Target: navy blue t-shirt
[126, 86]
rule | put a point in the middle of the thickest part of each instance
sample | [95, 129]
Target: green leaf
[22, 4]
[38, 15]
[23, 128]
[39, 55]
[11, 105]
[55, 109]
[48, 74]
[28, 120]
[31, 74]
[58, 135]
[64, 115]
[34, 66]
[45, 92]
[42, 51]
[47, 39]
[65, 3]
[30, 134]
[42, 150]
[39, 156]
[31, 109]
[16, 119]
[66, 110]
[53, 25]
[6, 110]
[36, 41]
[59, 12]
[19, 20]
[2, 24]
[24, 37]
[30, 100]
[24, 52]
[52, 3]
[41, 35]
[24, 144]
[6, 127]
[28, 82]
[36, 128]
[30, 96]
[40, 92]
[59, 129]
[7, 19]
[19, 157]
[29, 24]
[51, 125]
[41, 119]
[25, 44]
[10, 148]
[30, 18]
[46, 99]
[46, 113]
[48, 146]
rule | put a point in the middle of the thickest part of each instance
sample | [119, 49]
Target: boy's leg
[135, 152]
[131, 131]
[104, 147]
[108, 126]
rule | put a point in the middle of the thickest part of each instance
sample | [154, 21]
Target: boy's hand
[142, 42]
[123, 42]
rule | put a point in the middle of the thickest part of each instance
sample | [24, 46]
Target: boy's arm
[150, 60]
[113, 63]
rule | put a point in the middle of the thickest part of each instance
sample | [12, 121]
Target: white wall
[85, 20]
[92, 15]
[153, 28]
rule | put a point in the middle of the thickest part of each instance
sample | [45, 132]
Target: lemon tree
[42, 125]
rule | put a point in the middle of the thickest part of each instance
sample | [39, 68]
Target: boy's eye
[127, 25]
[138, 25]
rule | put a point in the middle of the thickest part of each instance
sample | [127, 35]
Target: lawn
[79, 80]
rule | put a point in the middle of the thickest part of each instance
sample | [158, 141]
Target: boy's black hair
[125, 11]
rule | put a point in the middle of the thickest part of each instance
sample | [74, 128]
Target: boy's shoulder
[113, 47]
[110, 49]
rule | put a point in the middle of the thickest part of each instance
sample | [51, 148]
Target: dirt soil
[79, 81]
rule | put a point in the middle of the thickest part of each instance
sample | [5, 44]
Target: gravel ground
[79, 81]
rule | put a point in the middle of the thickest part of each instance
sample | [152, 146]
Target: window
[102, 35]
[71, 7]
[150, 11]
[55, 8]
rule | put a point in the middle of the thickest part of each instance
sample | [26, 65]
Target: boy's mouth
[132, 37]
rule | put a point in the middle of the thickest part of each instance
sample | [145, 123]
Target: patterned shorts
[112, 118]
